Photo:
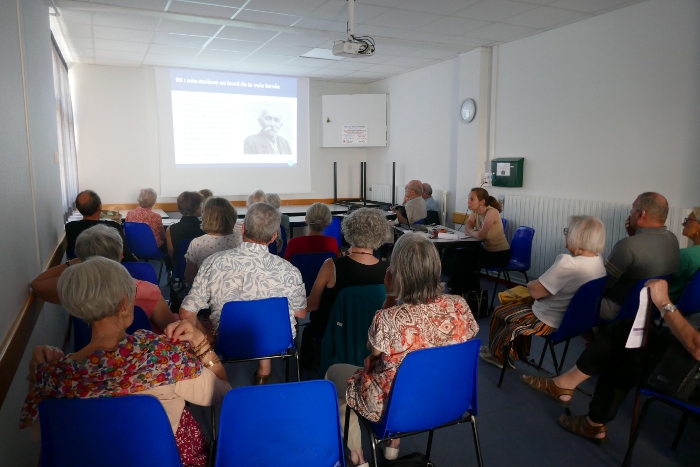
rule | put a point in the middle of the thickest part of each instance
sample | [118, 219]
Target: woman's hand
[184, 331]
[43, 354]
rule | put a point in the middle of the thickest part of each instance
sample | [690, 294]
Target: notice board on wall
[353, 120]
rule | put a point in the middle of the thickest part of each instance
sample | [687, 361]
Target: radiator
[549, 216]
[382, 193]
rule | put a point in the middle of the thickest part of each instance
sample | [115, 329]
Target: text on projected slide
[233, 119]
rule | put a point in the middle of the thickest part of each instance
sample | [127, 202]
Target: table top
[462, 239]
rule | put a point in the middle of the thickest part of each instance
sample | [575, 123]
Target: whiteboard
[353, 120]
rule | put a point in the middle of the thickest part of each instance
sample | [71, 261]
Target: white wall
[606, 108]
[117, 137]
[31, 190]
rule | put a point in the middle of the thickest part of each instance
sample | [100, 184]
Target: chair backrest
[82, 432]
[141, 240]
[582, 312]
[419, 222]
[180, 261]
[689, 303]
[345, 337]
[259, 426]
[142, 272]
[432, 387]
[333, 230]
[631, 304]
[254, 328]
[272, 247]
[308, 265]
[82, 332]
[433, 217]
[521, 248]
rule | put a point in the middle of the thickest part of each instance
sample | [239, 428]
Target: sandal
[579, 425]
[547, 386]
[259, 380]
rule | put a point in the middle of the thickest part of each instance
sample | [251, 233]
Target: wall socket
[486, 179]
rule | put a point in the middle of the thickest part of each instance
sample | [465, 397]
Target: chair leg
[554, 358]
[627, 462]
[346, 431]
[563, 356]
[495, 287]
[374, 448]
[296, 356]
[477, 445]
[160, 270]
[506, 352]
[679, 431]
[547, 343]
[526, 279]
[212, 442]
[286, 370]
[430, 444]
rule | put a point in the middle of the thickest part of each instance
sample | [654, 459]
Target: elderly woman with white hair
[176, 368]
[106, 242]
[144, 213]
[552, 292]
[318, 217]
[425, 318]
[218, 221]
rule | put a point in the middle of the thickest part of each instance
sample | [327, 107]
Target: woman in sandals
[552, 291]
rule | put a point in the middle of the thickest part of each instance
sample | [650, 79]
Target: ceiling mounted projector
[354, 46]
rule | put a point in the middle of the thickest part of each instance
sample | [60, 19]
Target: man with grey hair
[427, 195]
[414, 204]
[247, 272]
[268, 140]
[649, 251]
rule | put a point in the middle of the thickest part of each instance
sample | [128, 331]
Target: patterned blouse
[248, 272]
[203, 247]
[154, 221]
[398, 331]
[143, 361]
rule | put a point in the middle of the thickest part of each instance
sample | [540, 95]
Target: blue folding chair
[433, 388]
[505, 223]
[82, 332]
[419, 222]
[142, 272]
[308, 265]
[631, 304]
[258, 426]
[272, 247]
[520, 255]
[257, 330]
[581, 315]
[333, 230]
[689, 303]
[142, 243]
[81, 432]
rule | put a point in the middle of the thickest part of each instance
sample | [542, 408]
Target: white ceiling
[269, 36]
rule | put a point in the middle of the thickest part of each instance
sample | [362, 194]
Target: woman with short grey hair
[219, 218]
[178, 367]
[318, 217]
[551, 293]
[425, 318]
[104, 241]
[144, 214]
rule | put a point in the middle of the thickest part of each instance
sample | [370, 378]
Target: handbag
[677, 375]
[478, 302]
[516, 294]
[415, 459]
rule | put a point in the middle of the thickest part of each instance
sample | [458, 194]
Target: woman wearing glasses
[690, 257]
[552, 292]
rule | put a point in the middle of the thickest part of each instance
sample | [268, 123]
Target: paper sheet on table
[448, 236]
[634, 340]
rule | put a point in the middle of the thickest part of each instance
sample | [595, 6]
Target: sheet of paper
[634, 340]
[354, 134]
[503, 169]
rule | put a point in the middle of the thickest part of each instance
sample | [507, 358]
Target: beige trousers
[338, 374]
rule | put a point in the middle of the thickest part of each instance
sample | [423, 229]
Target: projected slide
[233, 120]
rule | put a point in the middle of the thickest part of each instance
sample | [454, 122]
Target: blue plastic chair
[272, 247]
[308, 265]
[82, 432]
[631, 304]
[505, 223]
[520, 255]
[142, 271]
[419, 222]
[333, 230]
[142, 243]
[581, 315]
[689, 303]
[258, 426]
[257, 330]
[82, 332]
[433, 388]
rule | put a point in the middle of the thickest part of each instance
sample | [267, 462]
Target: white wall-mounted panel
[364, 114]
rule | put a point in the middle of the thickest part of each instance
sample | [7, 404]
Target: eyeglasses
[565, 231]
[685, 221]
